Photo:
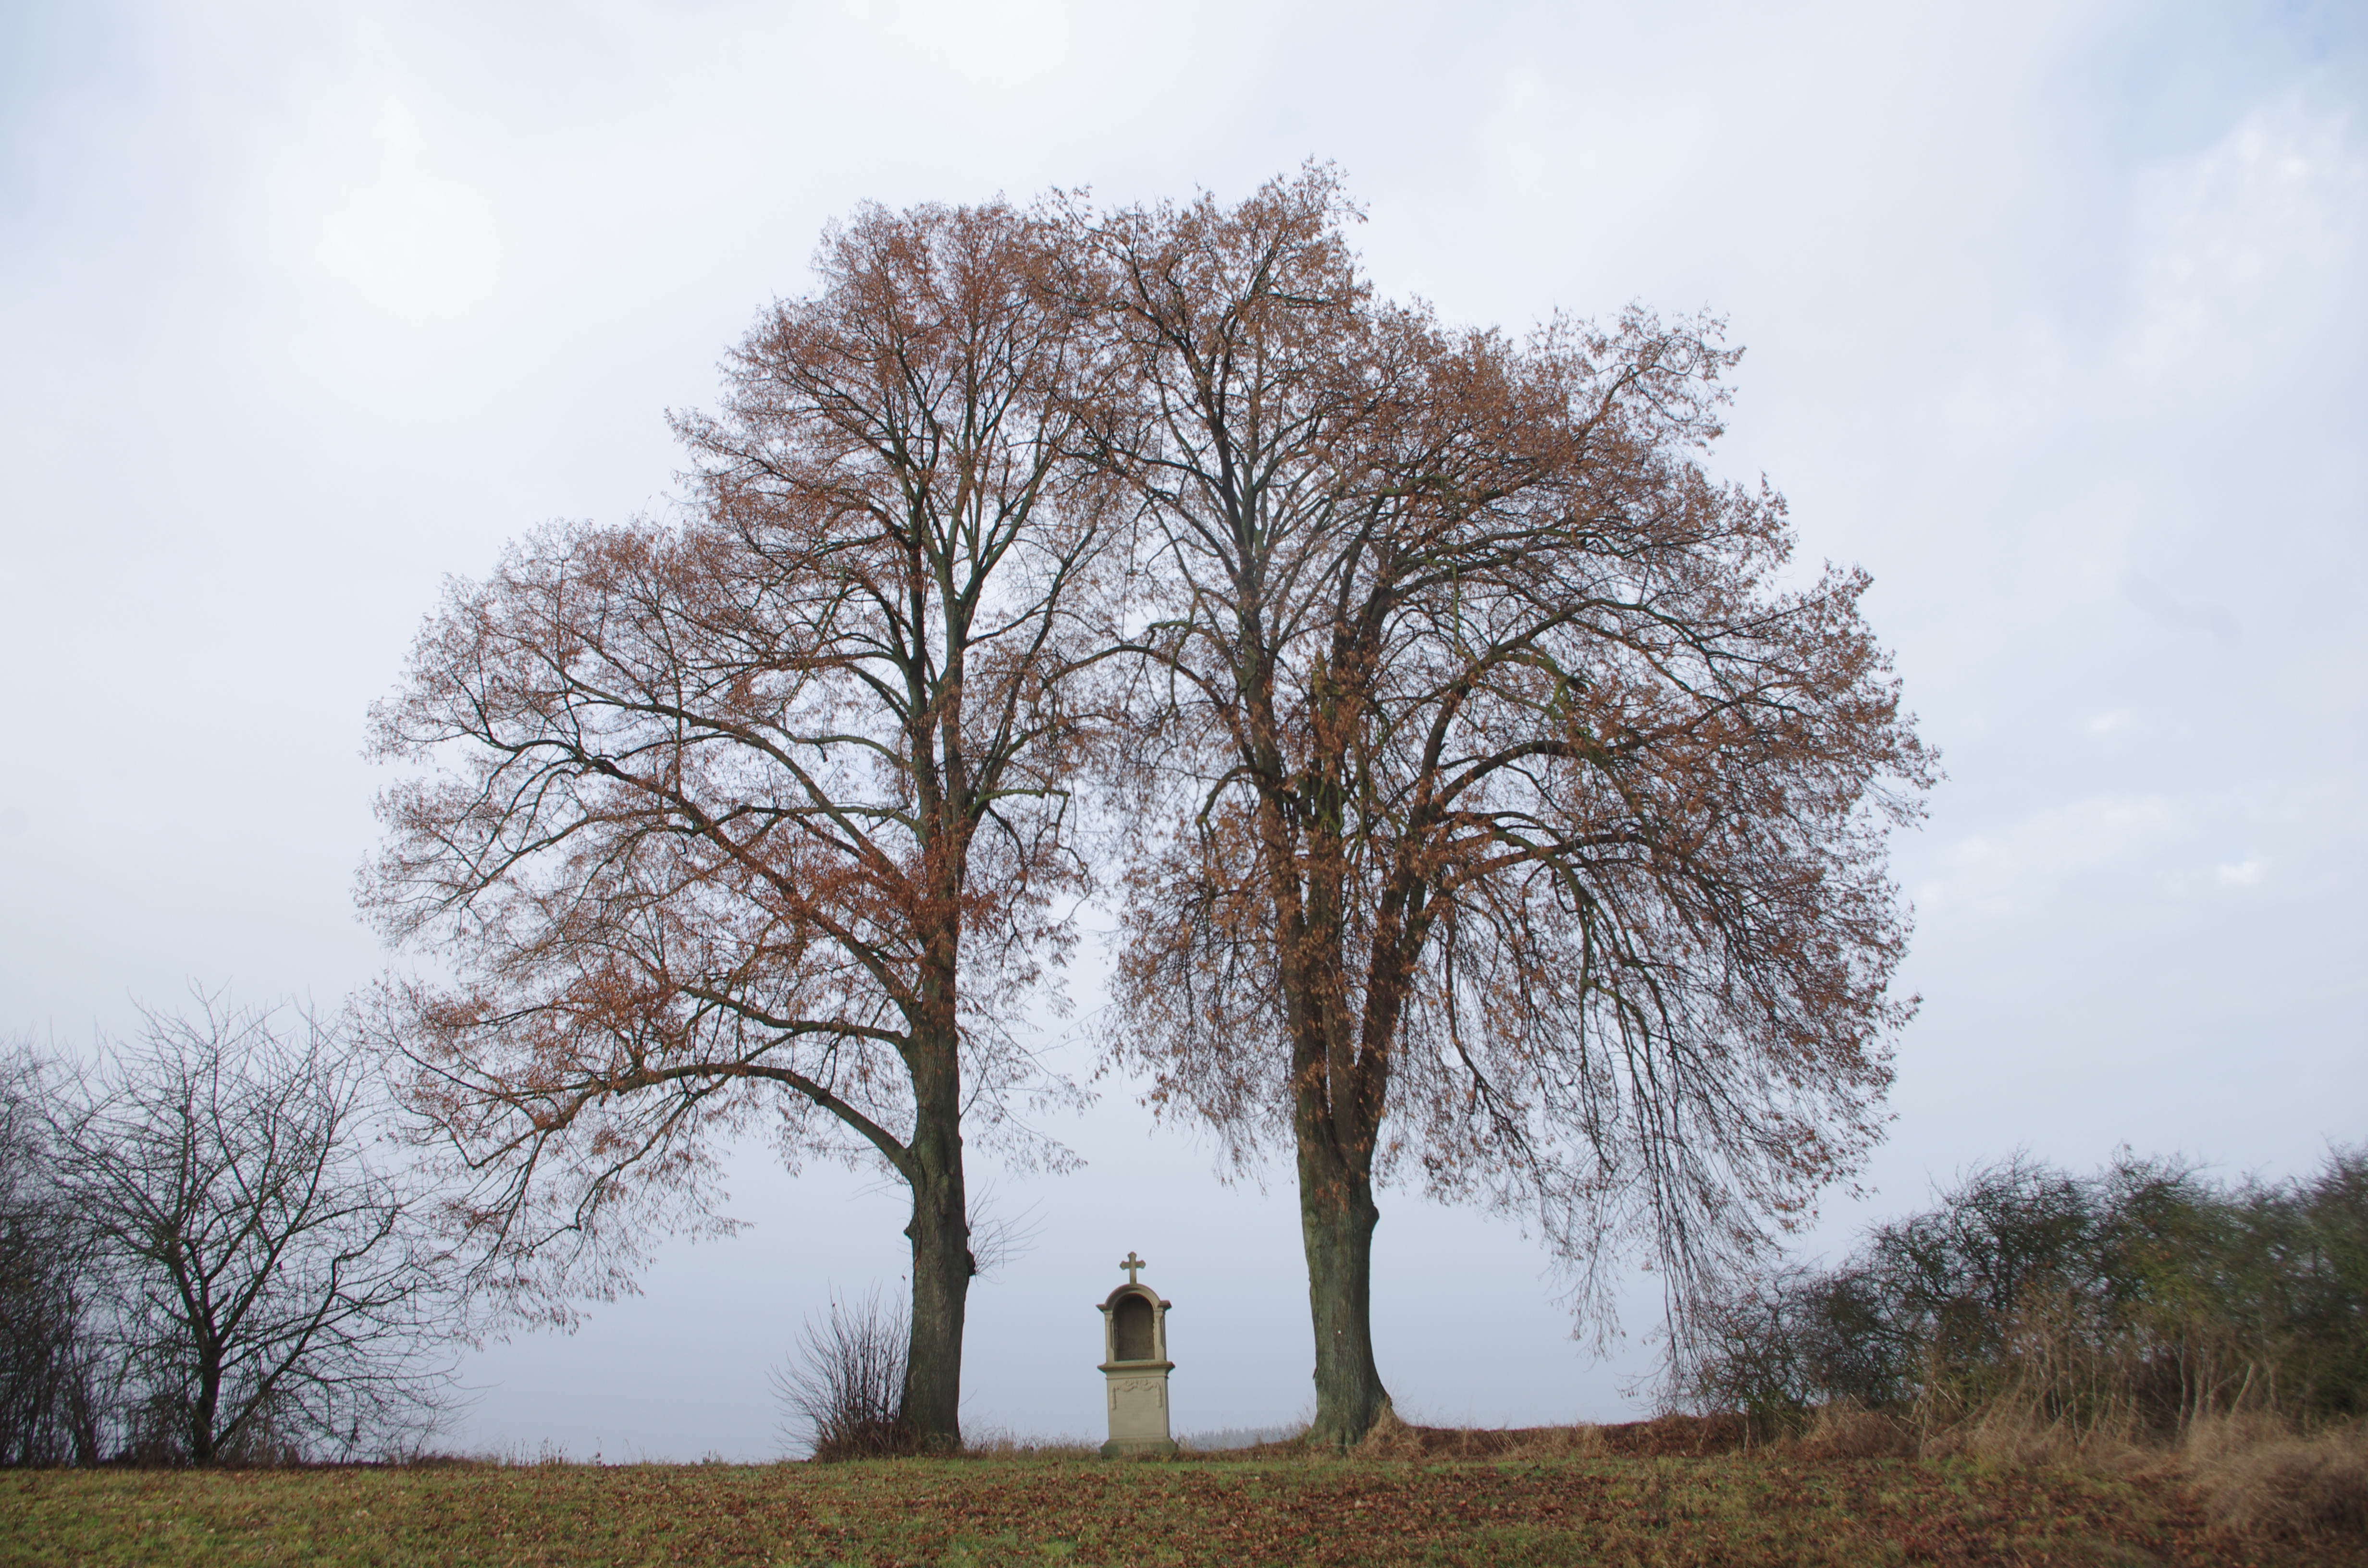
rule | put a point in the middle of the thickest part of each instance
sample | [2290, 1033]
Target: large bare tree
[759, 819]
[1529, 823]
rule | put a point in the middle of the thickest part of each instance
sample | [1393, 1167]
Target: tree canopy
[1527, 814]
[754, 818]
[1503, 803]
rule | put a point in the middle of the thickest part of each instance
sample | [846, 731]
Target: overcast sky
[2056, 318]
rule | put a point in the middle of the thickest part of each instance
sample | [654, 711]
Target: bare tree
[50, 1376]
[269, 1287]
[1524, 826]
[757, 819]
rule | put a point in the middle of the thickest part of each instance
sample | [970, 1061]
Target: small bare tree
[269, 1289]
[843, 1396]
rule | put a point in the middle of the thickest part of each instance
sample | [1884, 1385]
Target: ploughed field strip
[1260, 1507]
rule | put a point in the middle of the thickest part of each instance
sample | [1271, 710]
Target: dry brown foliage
[2258, 1476]
[1526, 812]
[1756, 1508]
[1848, 1432]
[1392, 1439]
[1003, 1445]
[755, 821]
[1664, 1436]
[1674, 1436]
[1504, 807]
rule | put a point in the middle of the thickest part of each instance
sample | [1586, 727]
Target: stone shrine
[1136, 1367]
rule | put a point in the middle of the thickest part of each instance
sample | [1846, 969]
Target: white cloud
[2059, 339]
[2019, 864]
[2281, 196]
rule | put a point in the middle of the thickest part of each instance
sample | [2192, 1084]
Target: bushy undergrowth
[2260, 1477]
[2130, 1303]
[2144, 1315]
[1001, 1443]
[843, 1397]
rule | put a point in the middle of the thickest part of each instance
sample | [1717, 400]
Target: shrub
[2258, 1479]
[2121, 1306]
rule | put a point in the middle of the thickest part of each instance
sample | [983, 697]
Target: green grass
[1728, 1509]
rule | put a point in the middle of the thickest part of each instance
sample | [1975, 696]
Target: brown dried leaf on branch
[1526, 815]
[760, 818]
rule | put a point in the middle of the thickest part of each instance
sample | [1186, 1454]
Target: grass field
[1728, 1508]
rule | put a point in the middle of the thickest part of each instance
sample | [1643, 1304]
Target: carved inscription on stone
[1139, 1390]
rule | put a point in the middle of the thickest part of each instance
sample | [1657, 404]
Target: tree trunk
[82, 1405]
[202, 1409]
[942, 1264]
[1336, 1221]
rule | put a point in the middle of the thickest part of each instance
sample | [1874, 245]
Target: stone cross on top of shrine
[1132, 1265]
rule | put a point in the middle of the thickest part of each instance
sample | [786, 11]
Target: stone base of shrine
[1159, 1448]
[1138, 1408]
